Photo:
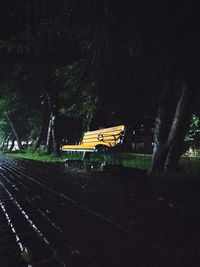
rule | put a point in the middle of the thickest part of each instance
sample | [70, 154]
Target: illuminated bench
[99, 140]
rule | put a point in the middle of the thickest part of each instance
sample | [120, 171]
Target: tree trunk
[53, 129]
[12, 145]
[170, 133]
[160, 137]
[14, 132]
[55, 139]
[49, 136]
[41, 133]
[163, 122]
[86, 126]
[178, 129]
[88, 121]
[6, 141]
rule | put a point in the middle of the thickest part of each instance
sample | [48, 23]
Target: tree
[173, 118]
[193, 135]
[9, 101]
[177, 99]
[5, 134]
[78, 100]
[168, 141]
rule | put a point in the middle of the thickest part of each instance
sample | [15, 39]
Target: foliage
[4, 130]
[77, 99]
[29, 22]
[192, 138]
[193, 135]
[9, 98]
[17, 102]
[33, 125]
[93, 57]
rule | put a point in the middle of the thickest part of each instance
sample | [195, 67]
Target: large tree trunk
[49, 136]
[169, 142]
[6, 141]
[55, 138]
[160, 137]
[14, 132]
[53, 129]
[88, 121]
[86, 126]
[163, 121]
[178, 129]
[12, 145]
[42, 131]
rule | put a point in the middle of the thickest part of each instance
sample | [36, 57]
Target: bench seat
[78, 148]
[106, 137]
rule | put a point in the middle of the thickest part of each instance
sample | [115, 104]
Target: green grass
[42, 156]
[188, 166]
[136, 160]
[127, 159]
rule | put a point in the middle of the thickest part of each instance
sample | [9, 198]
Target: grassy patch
[127, 159]
[136, 160]
[188, 166]
[41, 156]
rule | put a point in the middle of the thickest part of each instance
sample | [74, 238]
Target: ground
[54, 215]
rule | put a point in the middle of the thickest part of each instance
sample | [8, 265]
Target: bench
[99, 140]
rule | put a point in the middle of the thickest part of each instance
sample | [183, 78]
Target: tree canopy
[89, 64]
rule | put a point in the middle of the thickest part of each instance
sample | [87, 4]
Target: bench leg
[86, 156]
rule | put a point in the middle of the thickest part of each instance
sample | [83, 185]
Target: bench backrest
[109, 137]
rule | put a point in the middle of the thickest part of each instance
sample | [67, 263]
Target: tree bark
[160, 137]
[12, 144]
[49, 136]
[6, 141]
[163, 121]
[88, 121]
[54, 145]
[14, 132]
[55, 139]
[178, 129]
[42, 131]
[170, 133]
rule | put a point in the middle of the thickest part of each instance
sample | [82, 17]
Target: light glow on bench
[108, 137]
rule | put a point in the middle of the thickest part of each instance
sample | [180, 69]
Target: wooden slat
[110, 138]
